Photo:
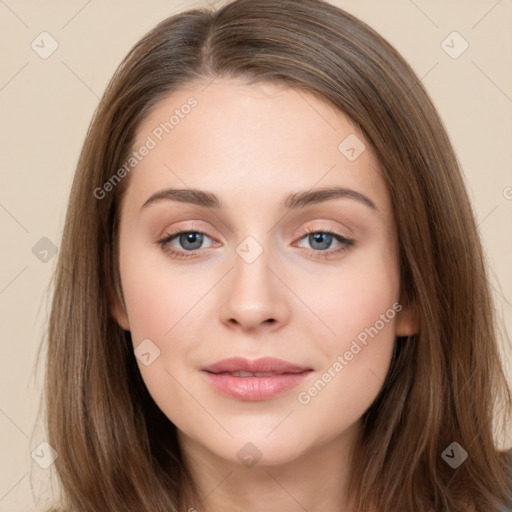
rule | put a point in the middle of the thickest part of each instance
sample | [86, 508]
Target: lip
[285, 376]
[261, 365]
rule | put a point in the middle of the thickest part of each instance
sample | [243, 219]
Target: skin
[252, 146]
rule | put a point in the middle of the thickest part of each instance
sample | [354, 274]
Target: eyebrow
[291, 202]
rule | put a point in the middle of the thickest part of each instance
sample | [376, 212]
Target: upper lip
[262, 365]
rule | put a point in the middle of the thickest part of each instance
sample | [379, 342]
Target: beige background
[46, 106]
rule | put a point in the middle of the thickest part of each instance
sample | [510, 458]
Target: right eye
[190, 241]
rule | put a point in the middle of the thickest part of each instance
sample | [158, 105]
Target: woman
[255, 368]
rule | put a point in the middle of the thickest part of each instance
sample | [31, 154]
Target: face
[259, 264]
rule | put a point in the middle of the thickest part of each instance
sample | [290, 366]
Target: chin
[254, 448]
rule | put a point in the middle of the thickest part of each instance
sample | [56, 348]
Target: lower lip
[255, 388]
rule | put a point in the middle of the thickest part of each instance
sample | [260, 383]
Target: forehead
[253, 140]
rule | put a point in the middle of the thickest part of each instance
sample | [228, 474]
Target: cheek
[358, 312]
[149, 302]
[358, 296]
[162, 306]
[157, 294]
[169, 306]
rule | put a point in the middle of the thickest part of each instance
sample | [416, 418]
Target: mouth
[254, 380]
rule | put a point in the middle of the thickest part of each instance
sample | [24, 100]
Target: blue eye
[190, 241]
[322, 239]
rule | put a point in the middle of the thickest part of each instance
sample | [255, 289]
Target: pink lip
[262, 365]
[287, 375]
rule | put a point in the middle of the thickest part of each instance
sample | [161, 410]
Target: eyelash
[346, 242]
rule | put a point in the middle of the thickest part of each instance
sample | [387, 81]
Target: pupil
[321, 238]
[192, 238]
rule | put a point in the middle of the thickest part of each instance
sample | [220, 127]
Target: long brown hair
[117, 450]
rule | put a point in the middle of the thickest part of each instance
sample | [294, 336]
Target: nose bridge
[254, 293]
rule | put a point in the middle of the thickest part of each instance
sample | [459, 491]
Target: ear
[407, 320]
[118, 310]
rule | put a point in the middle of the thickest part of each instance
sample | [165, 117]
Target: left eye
[322, 240]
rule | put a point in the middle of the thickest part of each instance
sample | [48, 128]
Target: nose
[255, 296]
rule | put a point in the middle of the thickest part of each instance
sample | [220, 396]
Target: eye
[322, 238]
[189, 240]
